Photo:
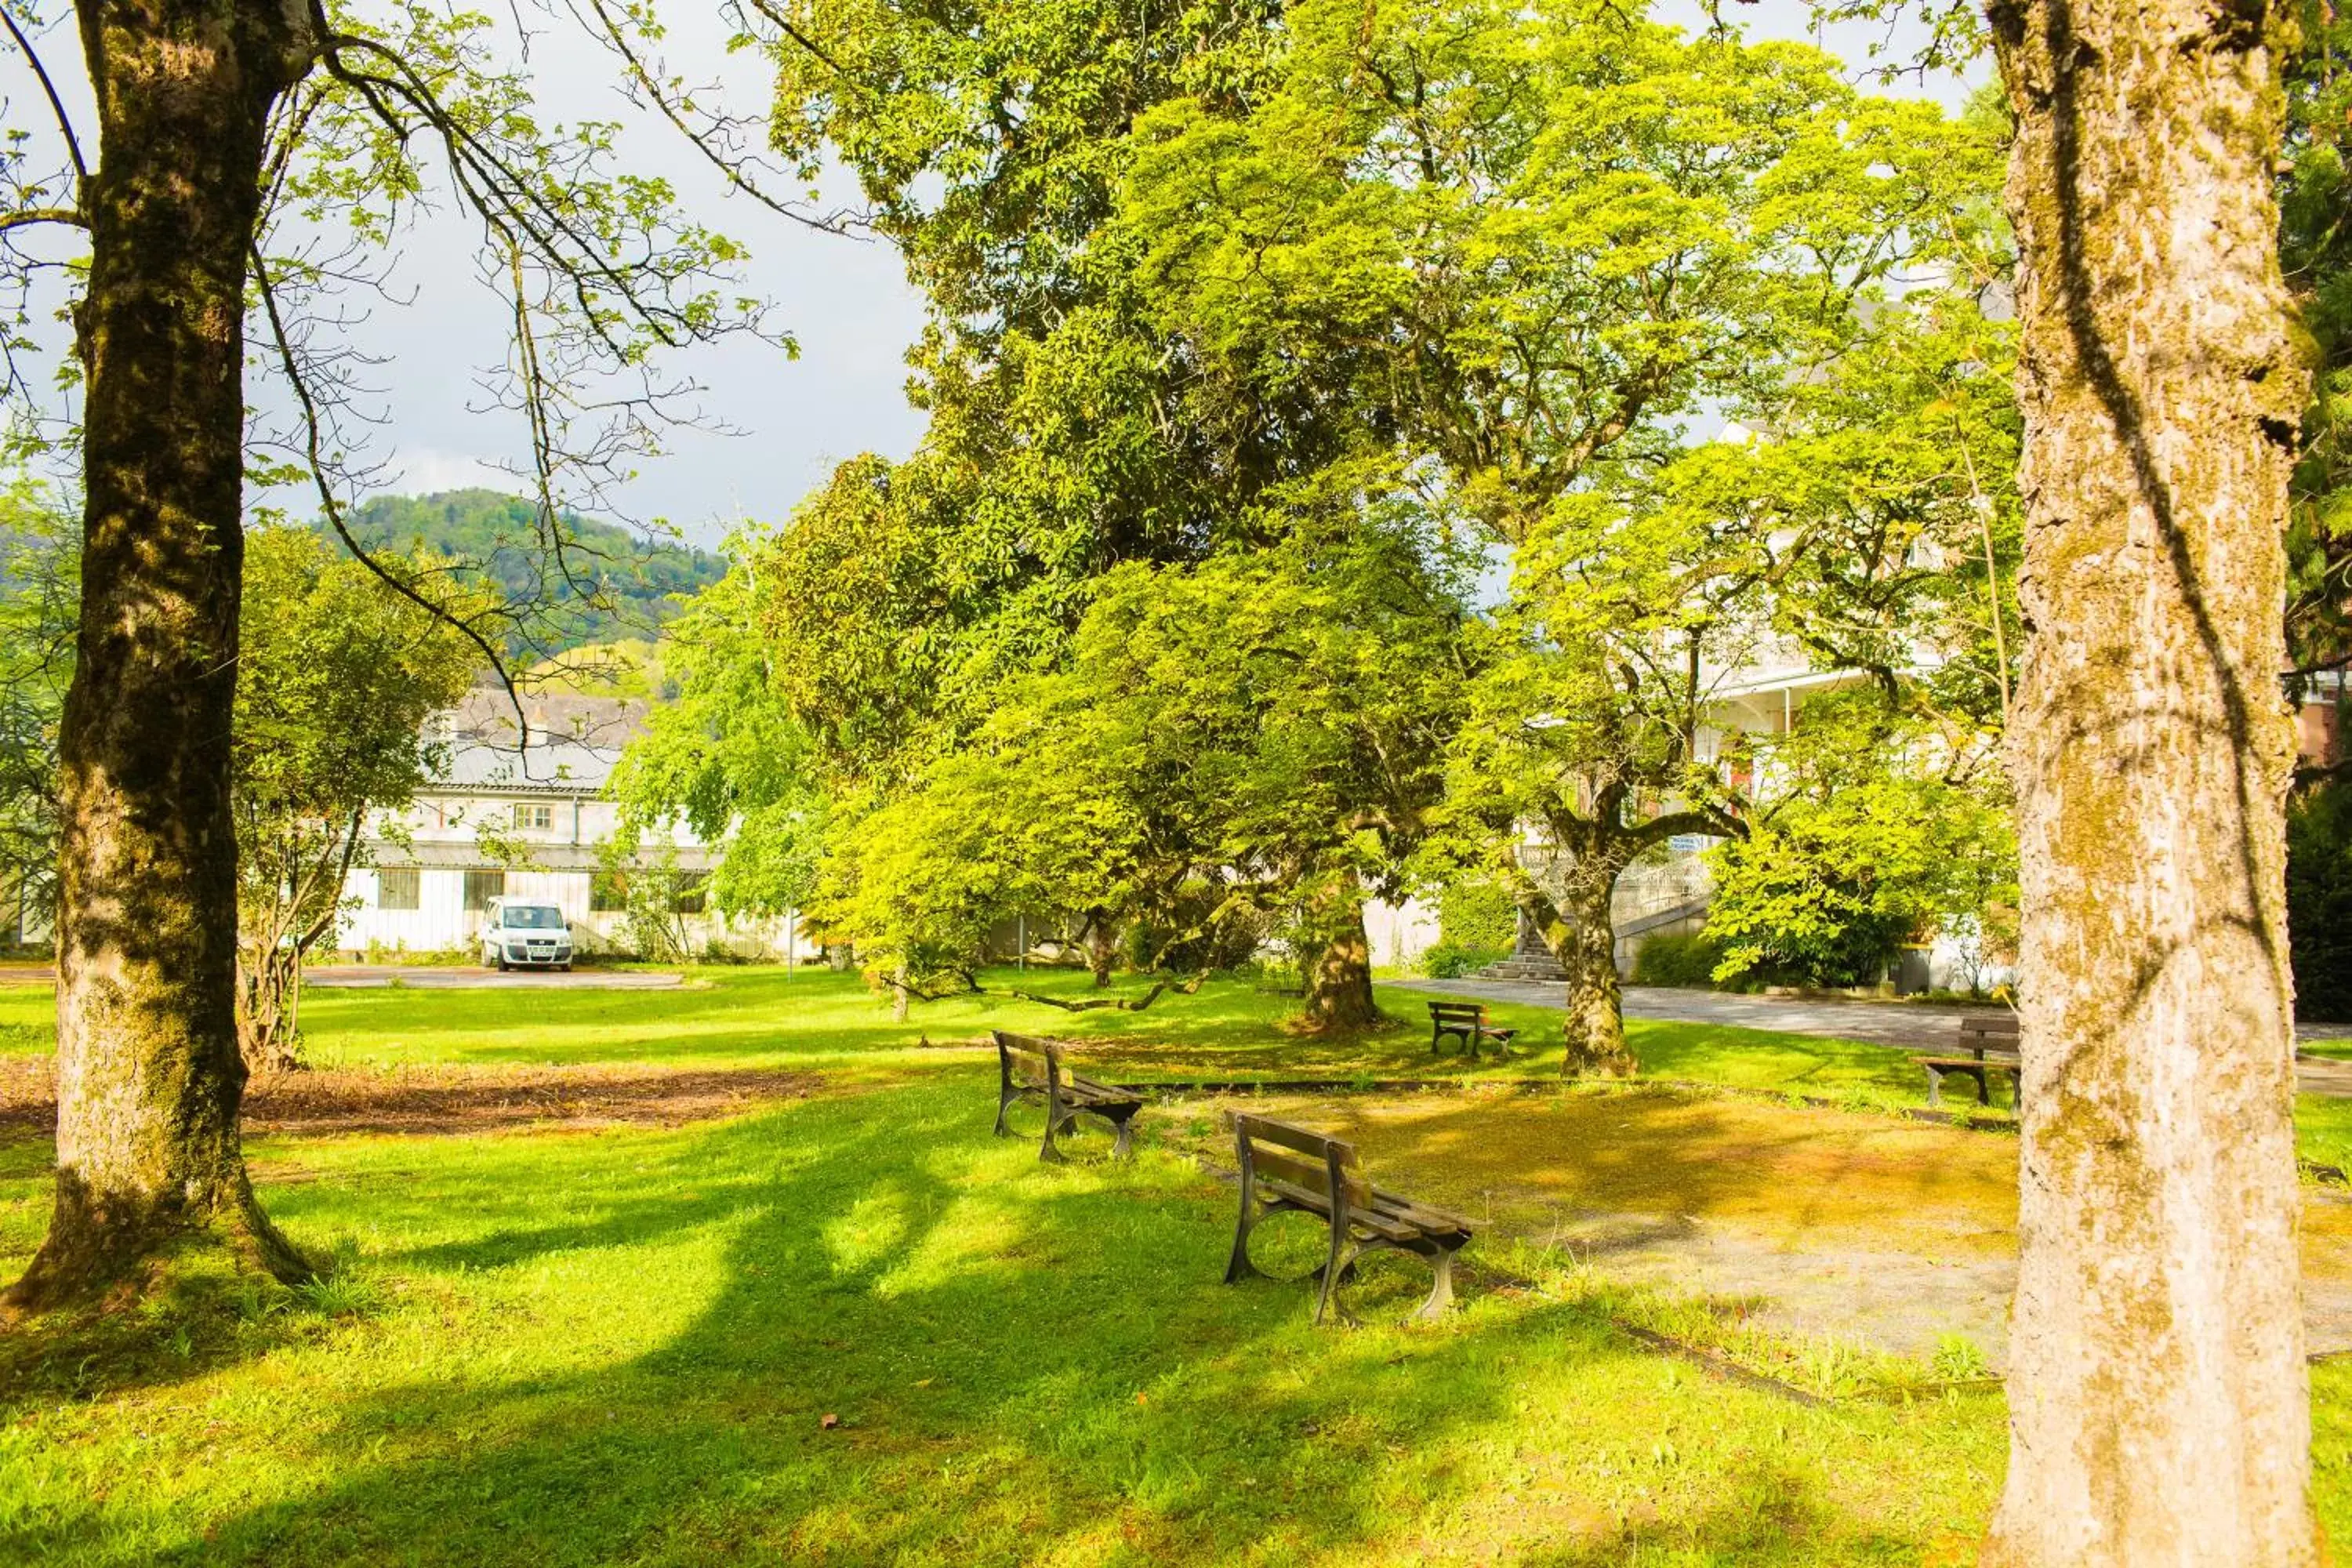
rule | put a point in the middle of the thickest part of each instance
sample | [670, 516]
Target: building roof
[569, 748]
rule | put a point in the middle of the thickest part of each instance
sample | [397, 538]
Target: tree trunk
[148, 1073]
[1586, 946]
[1337, 954]
[898, 992]
[269, 984]
[2158, 1409]
[1102, 948]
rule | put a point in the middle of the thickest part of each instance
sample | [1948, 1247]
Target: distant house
[531, 822]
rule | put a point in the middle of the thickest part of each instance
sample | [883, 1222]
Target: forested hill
[494, 532]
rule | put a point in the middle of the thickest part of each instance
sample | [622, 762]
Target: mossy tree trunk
[2159, 1408]
[1591, 849]
[1102, 947]
[1336, 955]
[148, 1071]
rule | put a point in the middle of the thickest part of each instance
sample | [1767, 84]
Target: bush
[2319, 903]
[1477, 916]
[1677, 960]
[1453, 960]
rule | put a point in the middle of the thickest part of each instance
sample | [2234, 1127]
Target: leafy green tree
[335, 682]
[1258, 735]
[245, 166]
[1878, 829]
[1528, 246]
[2315, 252]
[725, 756]
[40, 594]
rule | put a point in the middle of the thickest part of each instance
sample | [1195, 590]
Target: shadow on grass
[1022, 1364]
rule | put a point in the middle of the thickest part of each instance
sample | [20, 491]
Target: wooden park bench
[1029, 1069]
[1284, 1167]
[1991, 1041]
[1466, 1022]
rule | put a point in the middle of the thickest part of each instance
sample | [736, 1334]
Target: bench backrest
[1302, 1157]
[1993, 1031]
[1028, 1062]
[1458, 1012]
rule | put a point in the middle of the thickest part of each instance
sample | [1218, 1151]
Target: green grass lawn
[622, 1348]
[622, 1345]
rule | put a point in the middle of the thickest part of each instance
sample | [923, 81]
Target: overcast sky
[845, 301]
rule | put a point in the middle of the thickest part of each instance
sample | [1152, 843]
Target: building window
[608, 891]
[687, 893]
[533, 818]
[396, 887]
[481, 886]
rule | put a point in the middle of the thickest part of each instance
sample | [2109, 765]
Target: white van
[518, 935]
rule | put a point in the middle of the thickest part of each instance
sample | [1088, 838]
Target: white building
[529, 822]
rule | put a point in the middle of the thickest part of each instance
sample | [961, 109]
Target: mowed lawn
[853, 1328]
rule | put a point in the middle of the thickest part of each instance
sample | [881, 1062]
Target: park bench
[1466, 1022]
[1991, 1041]
[1029, 1069]
[1284, 1167]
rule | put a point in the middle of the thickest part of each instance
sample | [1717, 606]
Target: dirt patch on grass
[453, 1100]
[1811, 1222]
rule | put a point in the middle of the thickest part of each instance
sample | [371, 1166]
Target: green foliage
[336, 676]
[1227, 737]
[1887, 830]
[617, 586]
[2319, 902]
[1450, 960]
[1477, 912]
[2316, 251]
[40, 601]
[1529, 245]
[725, 757]
[1677, 958]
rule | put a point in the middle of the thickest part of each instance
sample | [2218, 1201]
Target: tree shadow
[1019, 1362]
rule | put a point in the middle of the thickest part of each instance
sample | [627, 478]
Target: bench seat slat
[1388, 1227]
[1282, 1135]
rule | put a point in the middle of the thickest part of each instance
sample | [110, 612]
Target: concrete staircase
[1648, 898]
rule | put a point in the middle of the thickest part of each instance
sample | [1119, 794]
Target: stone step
[1524, 969]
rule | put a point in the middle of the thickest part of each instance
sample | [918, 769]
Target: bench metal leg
[1328, 1298]
[1441, 1290]
[1934, 1088]
[1005, 1100]
[1125, 1150]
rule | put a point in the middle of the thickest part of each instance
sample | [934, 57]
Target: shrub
[2319, 903]
[1452, 960]
[1478, 915]
[1677, 960]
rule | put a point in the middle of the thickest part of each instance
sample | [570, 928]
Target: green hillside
[495, 534]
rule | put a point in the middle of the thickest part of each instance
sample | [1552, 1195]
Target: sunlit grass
[624, 1348]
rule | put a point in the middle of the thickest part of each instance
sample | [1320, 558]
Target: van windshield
[532, 916]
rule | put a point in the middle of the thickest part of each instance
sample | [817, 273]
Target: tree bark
[148, 1078]
[1337, 967]
[1594, 1029]
[2159, 1408]
[1102, 948]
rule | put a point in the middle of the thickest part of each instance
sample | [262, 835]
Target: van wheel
[501, 962]
[562, 969]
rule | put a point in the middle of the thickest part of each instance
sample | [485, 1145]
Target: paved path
[428, 978]
[1912, 1025]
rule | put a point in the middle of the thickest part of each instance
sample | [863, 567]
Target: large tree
[1531, 246]
[229, 138]
[2158, 1400]
[1252, 743]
